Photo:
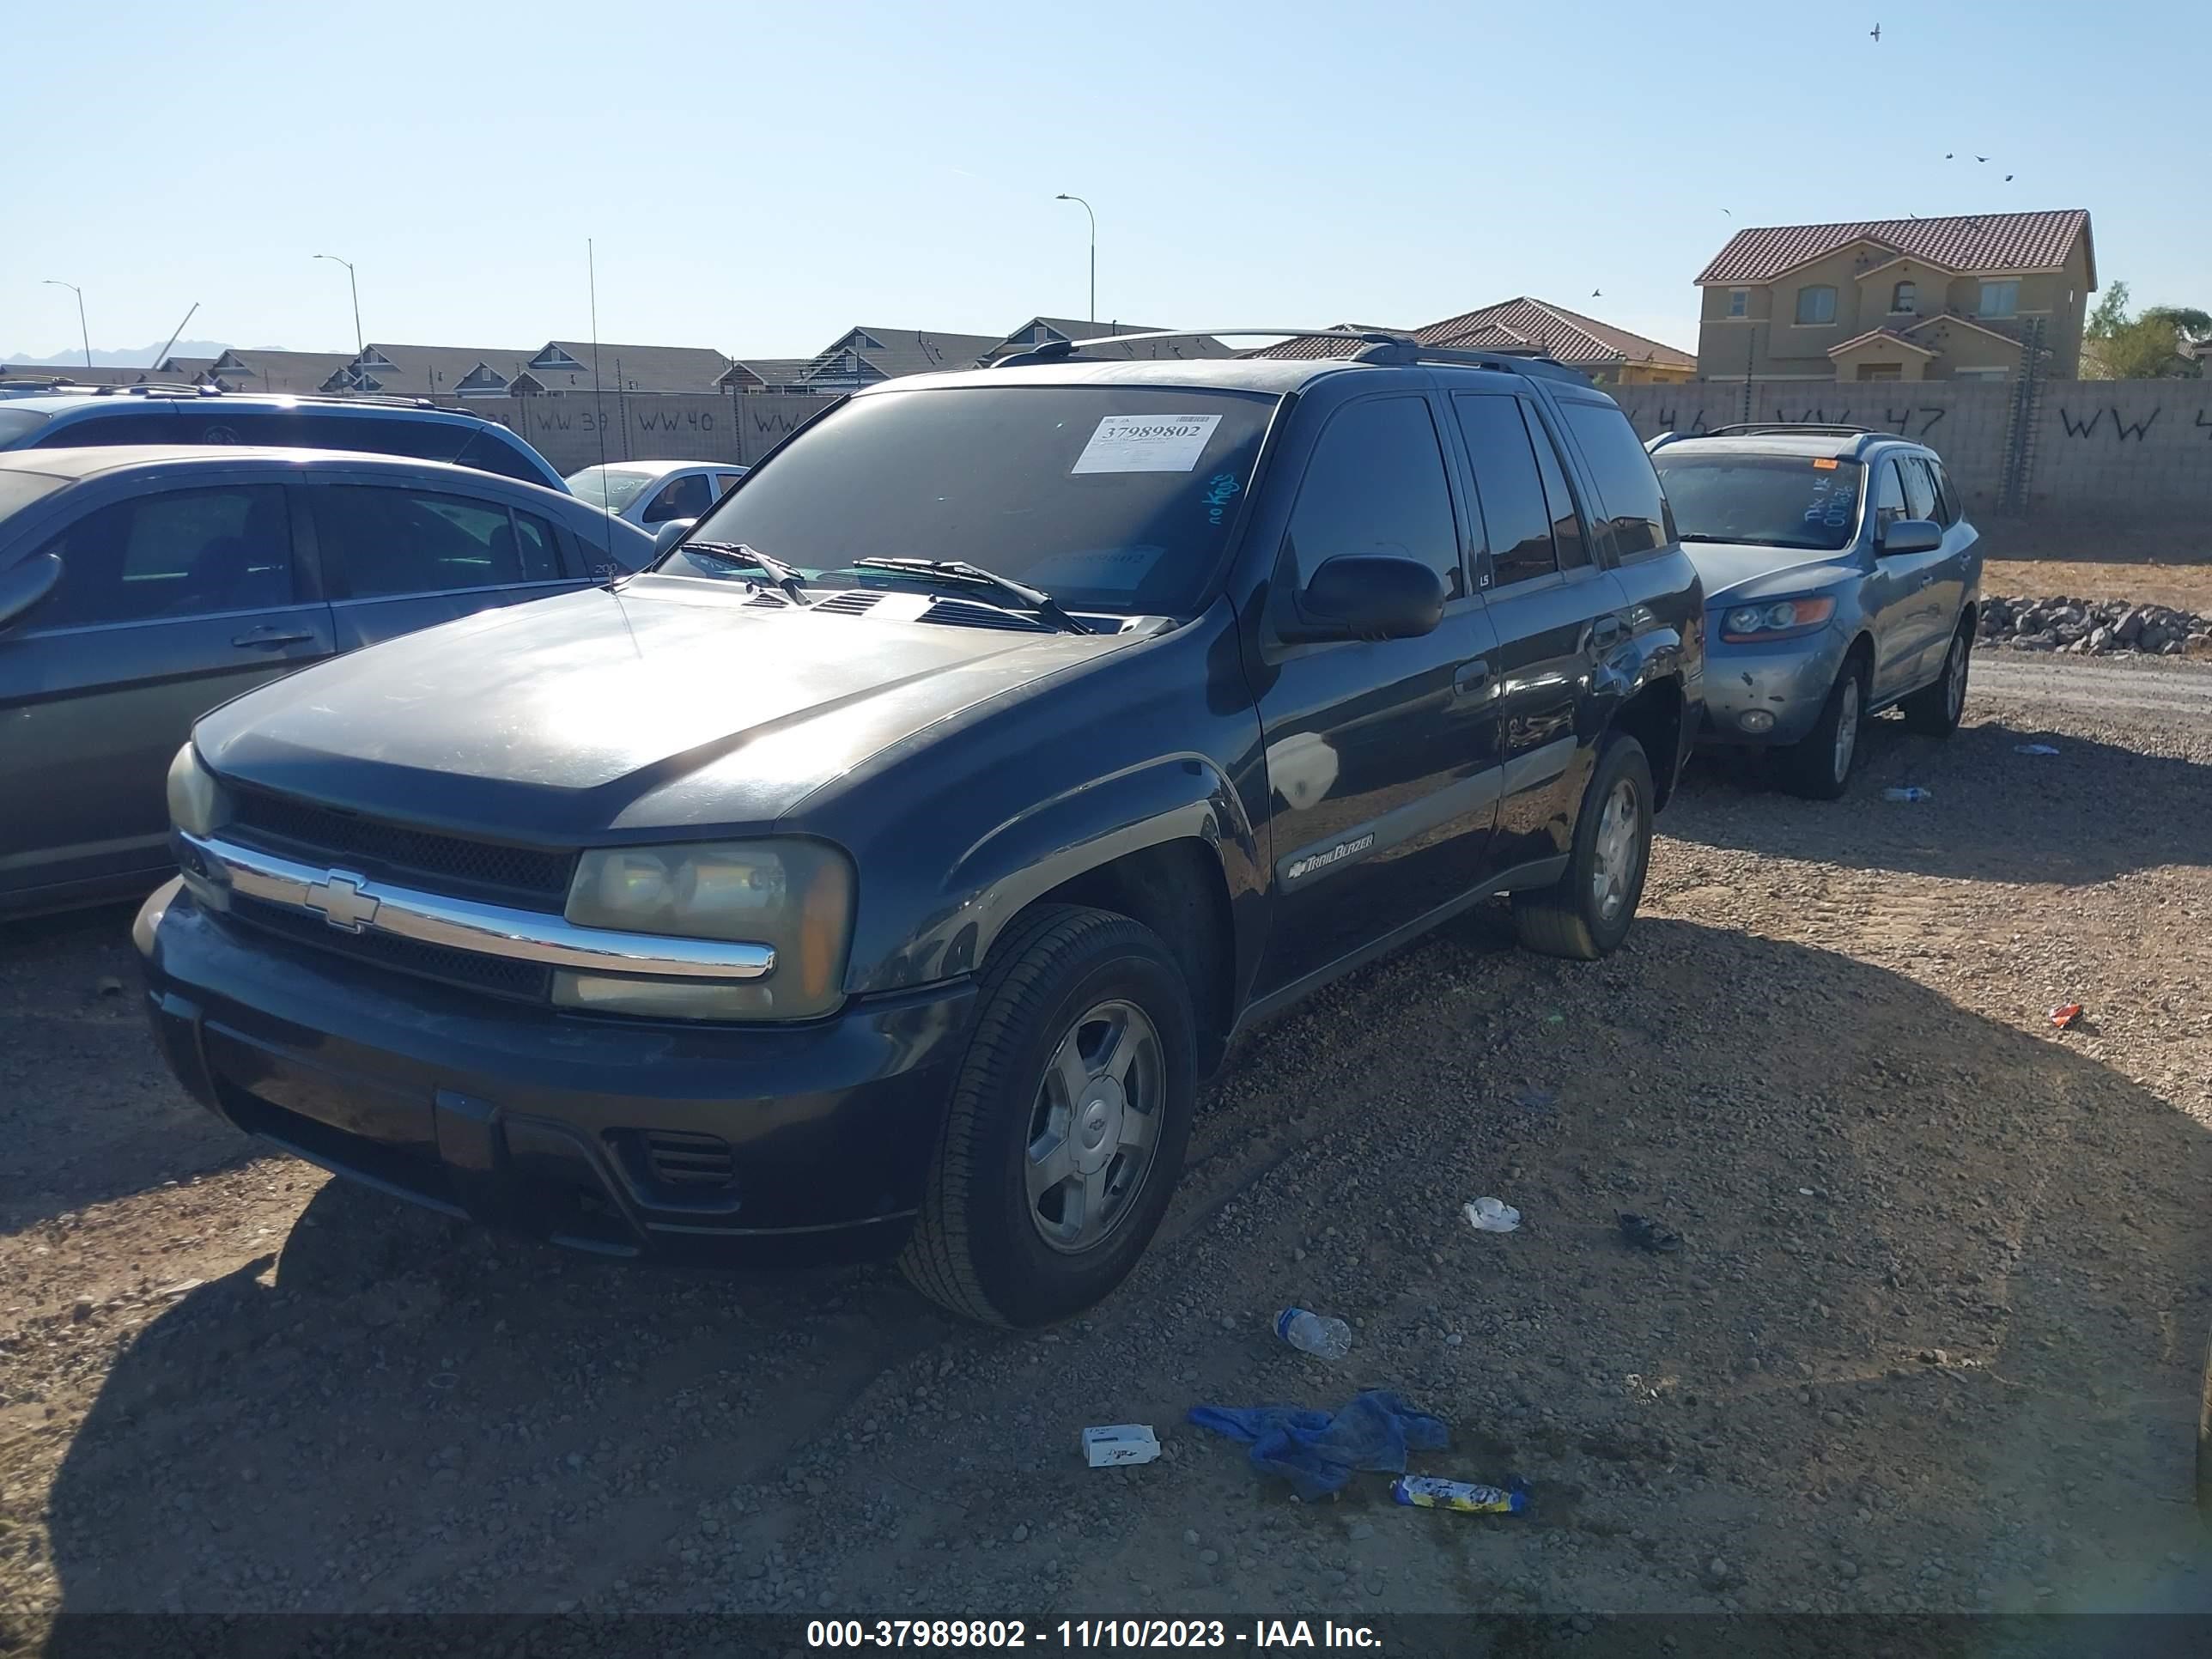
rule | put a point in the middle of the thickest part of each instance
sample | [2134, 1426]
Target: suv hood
[670, 704]
[1735, 571]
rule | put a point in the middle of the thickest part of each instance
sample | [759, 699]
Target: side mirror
[1367, 597]
[1911, 536]
[670, 533]
[22, 586]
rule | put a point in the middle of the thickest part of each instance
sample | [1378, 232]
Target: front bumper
[1788, 681]
[618, 1136]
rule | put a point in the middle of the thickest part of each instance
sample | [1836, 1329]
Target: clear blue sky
[758, 178]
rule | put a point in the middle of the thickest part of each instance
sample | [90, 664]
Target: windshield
[1109, 497]
[612, 487]
[16, 424]
[1769, 501]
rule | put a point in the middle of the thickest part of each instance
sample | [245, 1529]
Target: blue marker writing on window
[1219, 491]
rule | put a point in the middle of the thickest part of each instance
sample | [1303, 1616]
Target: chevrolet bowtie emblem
[343, 905]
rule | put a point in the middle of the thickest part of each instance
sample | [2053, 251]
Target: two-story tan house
[1898, 299]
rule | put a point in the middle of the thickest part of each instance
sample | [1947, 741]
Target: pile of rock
[2090, 628]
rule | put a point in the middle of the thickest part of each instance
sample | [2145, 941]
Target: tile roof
[1066, 328]
[1568, 335]
[424, 371]
[632, 367]
[280, 371]
[1973, 241]
[775, 372]
[1888, 335]
[898, 351]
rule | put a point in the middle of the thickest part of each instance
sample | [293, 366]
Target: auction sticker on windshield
[1146, 443]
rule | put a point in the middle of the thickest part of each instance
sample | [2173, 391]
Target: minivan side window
[1508, 489]
[185, 553]
[1627, 489]
[395, 541]
[1375, 485]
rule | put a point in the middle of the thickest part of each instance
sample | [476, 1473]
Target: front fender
[1173, 798]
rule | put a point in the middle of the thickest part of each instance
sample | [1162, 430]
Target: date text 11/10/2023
[1006, 1635]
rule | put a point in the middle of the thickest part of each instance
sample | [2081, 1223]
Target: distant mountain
[142, 357]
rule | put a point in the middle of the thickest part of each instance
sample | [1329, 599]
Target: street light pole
[354, 283]
[83, 333]
[1085, 206]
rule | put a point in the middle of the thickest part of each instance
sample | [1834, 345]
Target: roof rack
[1056, 351]
[1381, 345]
[1783, 429]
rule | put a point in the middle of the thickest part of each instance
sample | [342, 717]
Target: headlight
[195, 803]
[1752, 622]
[795, 896]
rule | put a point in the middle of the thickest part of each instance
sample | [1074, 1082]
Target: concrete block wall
[572, 431]
[2126, 449]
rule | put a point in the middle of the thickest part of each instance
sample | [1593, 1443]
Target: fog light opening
[1755, 719]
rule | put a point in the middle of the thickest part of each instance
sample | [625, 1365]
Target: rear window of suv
[1763, 500]
[211, 421]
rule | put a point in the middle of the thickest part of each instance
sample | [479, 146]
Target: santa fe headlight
[795, 896]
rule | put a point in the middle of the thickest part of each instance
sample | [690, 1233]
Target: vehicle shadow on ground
[399, 1413]
[2090, 812]
[87, 1112]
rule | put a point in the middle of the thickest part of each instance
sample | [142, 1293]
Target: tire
[1577, 918]
[1935, 711]
[1818, 766]
[1052, 989]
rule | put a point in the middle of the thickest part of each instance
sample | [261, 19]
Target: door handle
[273, 636]
[1607, 631]
[1471, 676]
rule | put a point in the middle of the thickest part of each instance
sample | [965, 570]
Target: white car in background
[649, 494]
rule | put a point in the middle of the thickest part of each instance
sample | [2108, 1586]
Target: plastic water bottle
[1309, 1333]
[1914, 793]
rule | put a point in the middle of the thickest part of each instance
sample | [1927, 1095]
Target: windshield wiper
[960, 573]
[791, 583]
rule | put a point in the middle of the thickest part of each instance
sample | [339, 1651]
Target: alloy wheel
[1617, 849]
[1847, 728]
[1095, 1127]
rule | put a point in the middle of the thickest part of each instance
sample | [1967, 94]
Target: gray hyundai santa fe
[884, 868]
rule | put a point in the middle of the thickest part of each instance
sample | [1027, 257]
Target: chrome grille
[535, 878]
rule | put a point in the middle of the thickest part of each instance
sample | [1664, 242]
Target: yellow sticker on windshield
[1824, 465]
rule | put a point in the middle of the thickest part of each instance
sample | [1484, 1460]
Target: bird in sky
[1981, 158]
[1949, 154]
[1876, 32]
[1729, 214]
[1597, 293]
[2008, 177]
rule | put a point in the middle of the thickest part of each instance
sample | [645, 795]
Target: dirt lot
[1932, 1342]
[2186, 586]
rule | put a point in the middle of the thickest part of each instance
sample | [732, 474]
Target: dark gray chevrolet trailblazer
[884, 868]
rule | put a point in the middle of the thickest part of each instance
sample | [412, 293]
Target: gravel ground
[1932, 1341]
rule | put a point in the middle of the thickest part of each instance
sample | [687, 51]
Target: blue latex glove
[1318, 1451]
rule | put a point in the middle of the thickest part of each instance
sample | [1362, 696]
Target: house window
[1881, 372]
[1999, 299]
[1980, 374]
[1816, 305]
[1739, 301]
[1904, 297]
